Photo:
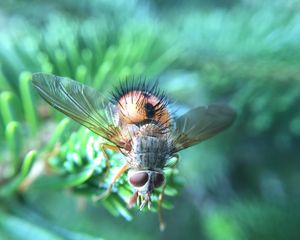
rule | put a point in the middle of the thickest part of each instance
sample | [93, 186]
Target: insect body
[139, 124]
[151, 148]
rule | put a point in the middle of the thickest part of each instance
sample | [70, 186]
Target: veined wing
[83, 104]
[200, 124]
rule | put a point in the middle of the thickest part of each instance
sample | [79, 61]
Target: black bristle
[139, 85]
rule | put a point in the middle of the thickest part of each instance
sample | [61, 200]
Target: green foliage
[245, 53]
[91, 53]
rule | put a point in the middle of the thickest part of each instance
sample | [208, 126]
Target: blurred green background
[243, 184]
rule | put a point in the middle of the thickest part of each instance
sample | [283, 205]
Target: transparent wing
[84, 104]
[200, 124]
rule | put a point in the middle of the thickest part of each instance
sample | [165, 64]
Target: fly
[138, 122]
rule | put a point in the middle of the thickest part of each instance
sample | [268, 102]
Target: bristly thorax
[150, 148]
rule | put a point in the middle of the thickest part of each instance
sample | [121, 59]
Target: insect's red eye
[159, 180]
[138, 179]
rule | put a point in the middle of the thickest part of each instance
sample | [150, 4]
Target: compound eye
[159, 180]
[139, 179]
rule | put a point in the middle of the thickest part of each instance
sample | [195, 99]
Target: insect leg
[118, 174]
[161, 196]
[111, 147]
[107, 163]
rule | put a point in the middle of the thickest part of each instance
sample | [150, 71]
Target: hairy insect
[138, 122]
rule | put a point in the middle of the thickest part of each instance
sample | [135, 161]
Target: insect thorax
[149, 152]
